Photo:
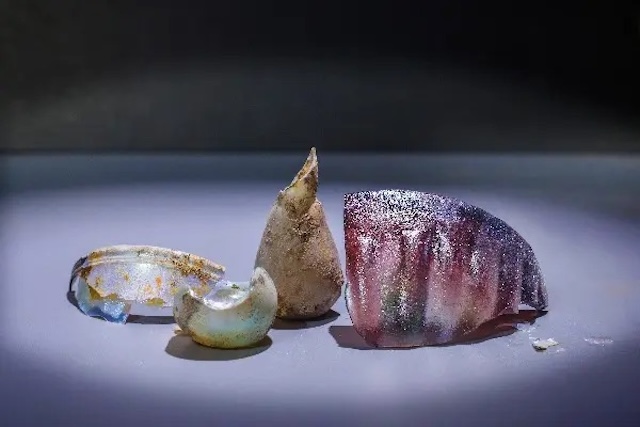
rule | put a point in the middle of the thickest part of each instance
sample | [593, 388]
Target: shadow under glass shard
[183, 347]
[132, 318]
[281, 324]
[347, 337]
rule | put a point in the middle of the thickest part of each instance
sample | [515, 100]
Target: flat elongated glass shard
[108, 280]
[424, 269]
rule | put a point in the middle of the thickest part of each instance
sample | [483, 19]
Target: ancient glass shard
[231, 315]
[298, 250]
[424, 269]
[109, 280]
[112, 310]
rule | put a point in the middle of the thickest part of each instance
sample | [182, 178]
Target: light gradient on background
[281, 104]
[248, 75]
[580, 215]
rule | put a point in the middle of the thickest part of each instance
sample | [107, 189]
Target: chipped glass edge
[111, 310]
[117, 310]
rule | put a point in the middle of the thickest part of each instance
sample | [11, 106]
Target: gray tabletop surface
[581, 215]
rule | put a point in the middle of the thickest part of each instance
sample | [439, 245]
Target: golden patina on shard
[109, 280]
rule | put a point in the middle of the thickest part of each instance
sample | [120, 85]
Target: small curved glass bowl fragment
[232, 315]
[109, 280]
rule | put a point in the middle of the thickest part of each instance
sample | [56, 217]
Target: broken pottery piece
[109, 280]
[298, 250]
[424, 269]
[232, 315]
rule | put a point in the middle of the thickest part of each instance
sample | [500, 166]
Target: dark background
[438, 75]
[435, 75]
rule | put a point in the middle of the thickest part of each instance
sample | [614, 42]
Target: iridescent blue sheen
[110, 310]
[110, 279]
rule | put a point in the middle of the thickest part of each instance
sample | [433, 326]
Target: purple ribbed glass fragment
[424, 269]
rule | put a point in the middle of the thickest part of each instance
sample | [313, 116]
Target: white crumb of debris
[601, 341]
[526, 327]
[541, 345]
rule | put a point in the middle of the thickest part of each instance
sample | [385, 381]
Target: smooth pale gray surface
[580, 214]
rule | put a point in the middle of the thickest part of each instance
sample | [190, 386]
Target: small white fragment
[541, 345]
[601, 341]
[525, 327]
